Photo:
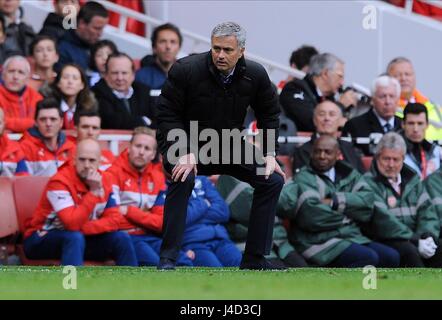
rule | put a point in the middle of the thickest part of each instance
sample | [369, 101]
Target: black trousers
[262, 216]
[410, 257]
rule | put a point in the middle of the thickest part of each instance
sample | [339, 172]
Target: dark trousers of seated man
[262, 216]
[410, 256]
[72, 247]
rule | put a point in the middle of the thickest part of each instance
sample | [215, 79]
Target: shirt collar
[227, 77]
[396, 184]
[331, 174]
[382, 121]
[65, 107]
[122, 95]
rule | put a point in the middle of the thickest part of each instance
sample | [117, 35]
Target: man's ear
[242, 52]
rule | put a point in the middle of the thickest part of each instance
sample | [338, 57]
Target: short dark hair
[48, 103]
[119, 55]
[97, 46]
[90, 10]
[85, 113]
[38, 39]
[415, 108]
[166, 26]
[301, 56]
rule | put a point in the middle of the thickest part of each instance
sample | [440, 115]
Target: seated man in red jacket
[88, 126]
[12, 160]
[45, 147]
[77, 217]
[17, 99]
[139, 186]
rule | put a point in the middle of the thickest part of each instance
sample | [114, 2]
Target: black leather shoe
[166, 264]
[259, 263]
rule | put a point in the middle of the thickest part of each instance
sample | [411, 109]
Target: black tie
[126, 104]
[387, 127]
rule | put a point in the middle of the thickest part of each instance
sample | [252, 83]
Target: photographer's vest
[434, 131]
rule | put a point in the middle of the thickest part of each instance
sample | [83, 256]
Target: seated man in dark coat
[300, 97]
[381, 118]
[124, 104]
[327, 118]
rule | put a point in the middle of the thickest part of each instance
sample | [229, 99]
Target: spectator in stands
[12, 159]
[53, 24]
[166, 43]
[205, 234]
[71, 89]
[422, 156]
[299, 60]
[425, 8]
[99, 54]
[75, 45]
[402, 69]
[327, 118]
[8, 46]
[16, 30]
[17, 99]
[77, 217]
[239, 196]
[332, 200]
[124, 103]
[45, 146]
[325, 78]
[139, 185]
[404, 217]
[88, 126]
[44, 51]
[381, 117]
[433, 185]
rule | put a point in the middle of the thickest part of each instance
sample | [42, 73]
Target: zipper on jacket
[140, 191]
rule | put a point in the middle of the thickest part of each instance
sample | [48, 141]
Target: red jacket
[67, 204]
[40, 160]
[19, 108]
[143, 193]
[12, 159]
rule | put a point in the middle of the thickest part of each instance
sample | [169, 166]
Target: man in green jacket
[404, 217]
[332, 199]
[239, 196]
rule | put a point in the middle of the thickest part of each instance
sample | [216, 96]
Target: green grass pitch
[205, 283]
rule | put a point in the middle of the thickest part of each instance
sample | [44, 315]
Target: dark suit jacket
[113, 112]
[364, 125]
[351, 155]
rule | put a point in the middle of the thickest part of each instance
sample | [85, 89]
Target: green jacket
[322, 232]
[433, 185]
[409, 215]
[238, 196]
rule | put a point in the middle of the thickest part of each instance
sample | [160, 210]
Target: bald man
[332, 200]
[77, 217]
[328, 118]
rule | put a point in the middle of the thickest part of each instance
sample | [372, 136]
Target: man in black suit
[124, 103]
[215, 89]
[328, 118]
[300, 97]
[381, 117]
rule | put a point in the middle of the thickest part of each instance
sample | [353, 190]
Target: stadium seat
[27, 194]
[366, 162]
[8, 217]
